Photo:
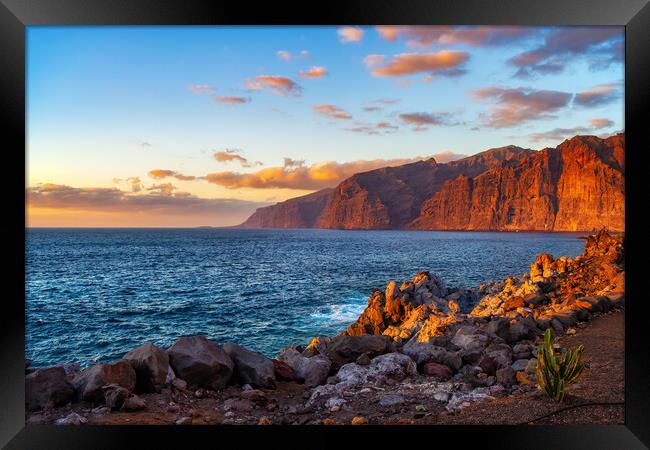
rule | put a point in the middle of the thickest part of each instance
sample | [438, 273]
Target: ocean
[94, 294]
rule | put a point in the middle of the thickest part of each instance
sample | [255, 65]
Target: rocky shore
[419, 353]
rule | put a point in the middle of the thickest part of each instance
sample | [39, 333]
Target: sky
[199, 126]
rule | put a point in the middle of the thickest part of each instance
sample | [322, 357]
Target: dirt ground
[601, 381]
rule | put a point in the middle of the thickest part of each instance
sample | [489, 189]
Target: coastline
[418, 338]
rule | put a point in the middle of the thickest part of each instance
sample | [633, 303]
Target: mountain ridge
[576, 186]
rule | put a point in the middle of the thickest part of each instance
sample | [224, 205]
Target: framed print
[263, 223]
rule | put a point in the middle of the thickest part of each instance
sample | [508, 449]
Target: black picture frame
[16, 15]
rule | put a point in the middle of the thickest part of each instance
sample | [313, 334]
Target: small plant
[554, 372]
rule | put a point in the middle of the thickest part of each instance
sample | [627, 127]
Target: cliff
[577, 186]
[299, 212]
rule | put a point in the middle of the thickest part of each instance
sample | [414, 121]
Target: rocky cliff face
[300, 212]
[577, 186]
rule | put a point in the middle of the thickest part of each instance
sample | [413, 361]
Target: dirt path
[603, 380]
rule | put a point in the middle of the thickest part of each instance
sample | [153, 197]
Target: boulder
[251, 367]
[341, 350]
[90, 381]
[499, 327]
[506, 376]
[437, 371]
[283, 371]
[201, 362]
[313, 371]
[133, 403]
[114, 396]
[395, 366]
[488, 365]
[151, 365]
[422, 352]
[519, 365]
[45, 388]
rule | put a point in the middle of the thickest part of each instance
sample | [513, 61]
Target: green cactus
[555, 373]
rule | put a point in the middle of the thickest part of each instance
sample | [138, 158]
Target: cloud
[374, 60]
[144, 144]
[165, 189]
[601, 122]
[230, 155]
[421, 121]
[301, 176]
[283, 54]
[597, 95]
[476, 36]
[159, 174]
[445, 63]
[350, 34]
[230, 100]
[374, 129]
[135, 183]
[274, 83]
[201, 89]
[160, 201]
[514, 106]
[600, 46]
[314, 72]
[288, 56]
[332, 111]
[560, 134]
[447, 156]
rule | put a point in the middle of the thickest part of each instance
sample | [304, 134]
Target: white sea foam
[346, 312]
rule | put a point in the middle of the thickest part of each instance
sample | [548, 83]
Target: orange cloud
[445, 62]
[274, 83]
[350, 34]
[476, 36]
[301, 176]
[313, 72]
[332, 111]
[230, 100]
[230, 155]
[159, 174]
[514, 106]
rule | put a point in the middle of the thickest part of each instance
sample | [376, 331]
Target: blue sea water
[94, 294]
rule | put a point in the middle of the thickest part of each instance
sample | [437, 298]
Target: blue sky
[111, 104]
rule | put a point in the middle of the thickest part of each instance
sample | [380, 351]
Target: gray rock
[499, 327]
[388, 400]
[313, 371]
[422, 352]
[133, 403]
[341, 350]
[506, 376]
[251, 367]
[201, 362]
[114, 396]
[45, 388]
[530, 367]
[519, 365]
[89, 382]
[151, 365]
[395, 366]
[184, 421]
[71, 419]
